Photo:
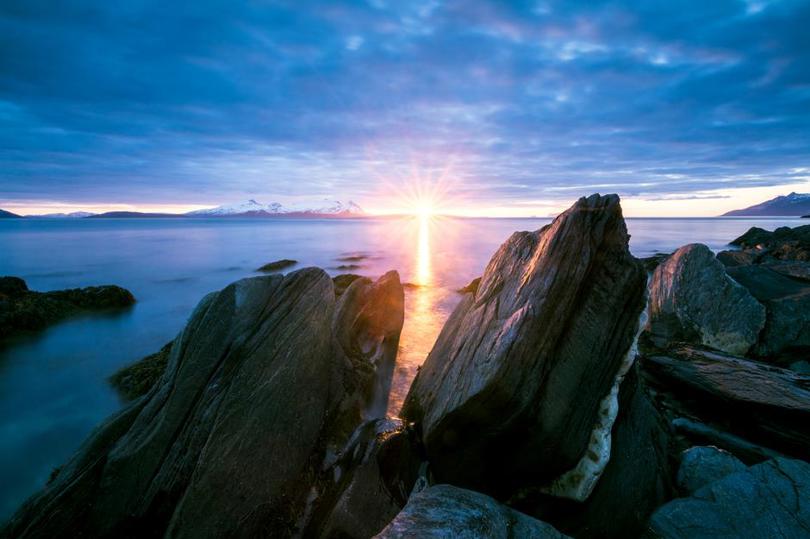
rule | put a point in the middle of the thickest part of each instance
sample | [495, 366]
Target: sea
[54, 384]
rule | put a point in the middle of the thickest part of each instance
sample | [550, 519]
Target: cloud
[126, 102]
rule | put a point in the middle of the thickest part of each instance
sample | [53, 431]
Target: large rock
[702, 465]
[771, 499]
[766, 405]
[261, 384]
[23, 310]
[784, 243]
[692, 300]
[529, 364]
[447, 512]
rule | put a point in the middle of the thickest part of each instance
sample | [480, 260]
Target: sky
[689, 107]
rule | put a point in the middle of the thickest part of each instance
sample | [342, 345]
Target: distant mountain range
[792, 205]
[251, 208]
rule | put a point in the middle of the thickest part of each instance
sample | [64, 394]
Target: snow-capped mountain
[72, 215]
[251, 208]
[794, 204]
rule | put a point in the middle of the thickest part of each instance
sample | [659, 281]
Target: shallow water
[53, 387]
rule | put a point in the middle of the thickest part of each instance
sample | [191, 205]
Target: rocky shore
[575, 391]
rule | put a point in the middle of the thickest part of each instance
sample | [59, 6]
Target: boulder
[766, 405]
[445, 511]
[261, 385]
[692, 300]
[277, 265]
[784, 243]
[736, 258]
[652, 262]
[23, 310]
[471, 287]
[523, 379]
[771, 499]
[136, 380]
[702, 465]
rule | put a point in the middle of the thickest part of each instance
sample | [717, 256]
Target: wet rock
[260, 386]
[278, 265]
[652, 262]
[736, 258]
[23, 310]
[692, 300]
[471, 288]
[343, 281]
[764, 404]
[445, 511]
[702, 465]
[137, 379]
[369, 484]
[784, 243]
[515, 385]
[771, 499]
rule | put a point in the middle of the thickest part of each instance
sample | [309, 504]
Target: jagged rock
[370, 482]
[343, 281]
[262, 383]
[445, 511]
[736, 258]
[702, 465]
[517, 380]
[771, 499]
[761, 403]
[784, 243]
[136, 380]
[23, 310]
[652, 262]
[471, 287]
[692, 300]
[277, 265]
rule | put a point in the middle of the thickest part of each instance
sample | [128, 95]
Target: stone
[784, 243]
[136, 380]
[445, 512]
[343, 281]
[527, 367]
[702, 465]
[261, 386]
[277, 265]
[736, 258]
[652, 262]
[771, 499]
[692, 300]
[471, 287]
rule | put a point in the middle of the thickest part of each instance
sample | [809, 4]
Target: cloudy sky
[682, 107]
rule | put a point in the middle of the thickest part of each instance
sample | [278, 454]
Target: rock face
[760, 403]
[512, 390]
[702, 465]
[262, 383]
[771, 499]
[692, 300]
[444, 512]
[23, 310]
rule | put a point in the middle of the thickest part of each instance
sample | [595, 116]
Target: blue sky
[683, 107]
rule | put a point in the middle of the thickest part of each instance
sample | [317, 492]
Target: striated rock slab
[23, 310]
[771, 499]
[444, 512]
[692, 300]
[514, 386]
[260, 386]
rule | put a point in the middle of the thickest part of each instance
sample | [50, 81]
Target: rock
[692, 432]
[343, 281]
[525, 368]
[801, 367]
[766, 405]
[784, 243]
[652, 262]
[771, 499]
[732, 259]
[23, 310]
[278, 265]
[702, 465]
[369, 484]
[262, 384]
[471, 288]
[137, 379]
[445, 511]
[692, 300]
[797, 270]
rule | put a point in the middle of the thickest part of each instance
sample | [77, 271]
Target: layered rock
[784, 243]
[261, 385]
[702, 465]
[444, 511]
[23, 310]
[771, 499]
[513, 389]
[692, 300]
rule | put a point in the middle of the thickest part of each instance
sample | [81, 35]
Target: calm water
[53, 388]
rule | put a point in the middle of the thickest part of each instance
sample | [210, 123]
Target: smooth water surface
[53, 387]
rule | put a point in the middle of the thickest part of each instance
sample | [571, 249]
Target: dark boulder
[136, 380]
[277, 265]
[732, 259]
[702, 465]
[262, 384]
[23, 310]
[525, 370]
[771, 499]
[652, 262]
[343, 281]
[784, 243]
[445, 511]
[692, 300]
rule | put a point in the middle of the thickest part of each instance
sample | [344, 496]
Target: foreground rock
[526, 369]
[692, 300]
[771, 499]
[444, 512]
[136, 380]
[702, 465]
[270, 375]
[23, 310]
[762, 404]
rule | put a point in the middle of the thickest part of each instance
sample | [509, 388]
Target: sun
[424, 209]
